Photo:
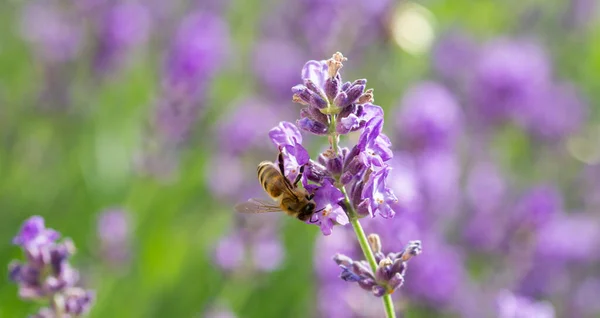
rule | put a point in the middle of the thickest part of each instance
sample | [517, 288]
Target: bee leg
[280, 161]
[311, 219]
[299, 176]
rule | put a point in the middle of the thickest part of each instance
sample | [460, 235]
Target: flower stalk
[358, 230]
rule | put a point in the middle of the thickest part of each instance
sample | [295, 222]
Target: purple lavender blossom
[379, 197]
[46, 274]
[374, 144]
[324, 93]
[328, 199]
[34, 233]
[508, 78]
[429, 117]
[334, 108]
[288, 139]
[113, 230]
[122, 27]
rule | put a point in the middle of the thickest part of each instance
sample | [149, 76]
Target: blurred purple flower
[569, 238]
[122, 27]
[199, 49]
[515, 306]
[56, 36]
[404, 182]
[585, 297]
[276, 64]
[452, 47]
[509, 77]
[537, 207]
[436, 276]
[439, 177]
[580, 13]
[560, 112]
[485, 188]
[429, 117]
[267, 254]
[229, 252]
[114, 233]
[231, 172]
[243, 129]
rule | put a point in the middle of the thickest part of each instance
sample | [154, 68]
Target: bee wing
[257, 206]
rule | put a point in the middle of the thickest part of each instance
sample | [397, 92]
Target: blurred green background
[70, 163]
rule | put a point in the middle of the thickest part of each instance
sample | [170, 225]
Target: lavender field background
[134, 127]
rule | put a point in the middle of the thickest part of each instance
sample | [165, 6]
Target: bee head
[307, 211]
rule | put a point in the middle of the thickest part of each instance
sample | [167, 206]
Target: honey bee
[288, 197]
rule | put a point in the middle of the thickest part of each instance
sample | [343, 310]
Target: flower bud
[342, 260]
[312, 126]
[332, 87]
[375, 242]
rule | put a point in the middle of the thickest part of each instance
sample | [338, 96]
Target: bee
[288, 197]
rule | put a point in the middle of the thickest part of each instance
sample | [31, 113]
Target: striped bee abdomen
[271, 179]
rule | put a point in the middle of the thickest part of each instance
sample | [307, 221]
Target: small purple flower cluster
[47, 274]
[391, 268]
[340, 176]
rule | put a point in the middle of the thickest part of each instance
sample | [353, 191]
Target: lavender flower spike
[390, 271]
[325, 94]
[46, 274]
[345, 183]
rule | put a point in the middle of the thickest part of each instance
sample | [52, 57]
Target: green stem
[388, 304]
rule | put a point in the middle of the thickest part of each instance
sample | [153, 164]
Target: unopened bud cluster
[390, 271]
